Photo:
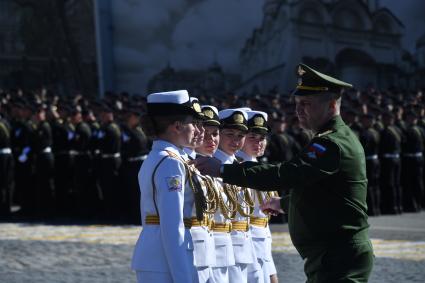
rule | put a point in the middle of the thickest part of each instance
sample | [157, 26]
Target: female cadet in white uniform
[198, 139]
[203, 240]
[254, 146]
[164, 250]
[221, 224]
[232, 135]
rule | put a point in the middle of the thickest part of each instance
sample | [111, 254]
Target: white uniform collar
[224, 157]
[245, 157]
[190, 152]
[161, 145]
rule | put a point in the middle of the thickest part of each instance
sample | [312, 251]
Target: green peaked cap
[312, 82]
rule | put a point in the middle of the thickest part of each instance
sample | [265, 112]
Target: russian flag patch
[316, 150]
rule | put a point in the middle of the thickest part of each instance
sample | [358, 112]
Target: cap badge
[209, 113]
[196, 107]
[258, 121]
[238, 118]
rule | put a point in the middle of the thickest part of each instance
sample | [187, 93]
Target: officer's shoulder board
[325, 133]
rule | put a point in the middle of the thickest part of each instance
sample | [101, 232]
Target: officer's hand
[272, 206]
[207, 165]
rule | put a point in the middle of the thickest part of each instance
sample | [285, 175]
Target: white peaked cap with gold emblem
[253, 113]
[176, 96]
[172, 103]
[257, 122]
[213, 108]
[197, 106]
[246, 109]
[233, 119]
[211, 115]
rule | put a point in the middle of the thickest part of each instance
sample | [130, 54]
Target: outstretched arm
[319, 160]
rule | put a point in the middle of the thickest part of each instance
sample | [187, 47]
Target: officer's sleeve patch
[174, 183]
[322, 154]
[316, 150]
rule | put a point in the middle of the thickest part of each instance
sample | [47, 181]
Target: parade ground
[54, 252]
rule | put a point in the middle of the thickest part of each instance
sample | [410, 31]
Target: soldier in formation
[65, 156]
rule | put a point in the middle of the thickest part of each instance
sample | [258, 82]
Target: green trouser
[342, 263]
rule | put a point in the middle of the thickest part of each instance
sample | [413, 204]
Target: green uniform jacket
[326, 184]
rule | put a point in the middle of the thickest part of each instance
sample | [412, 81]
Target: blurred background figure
[135, 147]
[370, 139]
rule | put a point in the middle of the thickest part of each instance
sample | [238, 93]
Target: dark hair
[156, 125]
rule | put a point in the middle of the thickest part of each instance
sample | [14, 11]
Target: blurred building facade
[355, 40]
[11, 44]
[210, 82]
[48, 43]
[420, 62]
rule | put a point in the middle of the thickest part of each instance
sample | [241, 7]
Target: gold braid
[246, 202]
[267, 196]
[211, 194]
[229, 207]
[200, 202]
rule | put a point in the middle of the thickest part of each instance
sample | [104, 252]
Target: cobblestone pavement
[94, 253]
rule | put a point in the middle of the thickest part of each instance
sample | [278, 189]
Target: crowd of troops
[79, 157]
[69, 159]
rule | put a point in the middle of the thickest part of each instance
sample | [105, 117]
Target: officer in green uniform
[326, 184]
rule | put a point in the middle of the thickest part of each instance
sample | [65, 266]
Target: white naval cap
[226, 113]
[246, 109]
[257, 122]
[176, 96]
[252, 113]
[172, 103]
[196, 105]
[233, 119]
[211, 115]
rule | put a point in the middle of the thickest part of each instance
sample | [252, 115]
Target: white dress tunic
[164, 252]
[261, 236]
[203, 240]
[243, 247]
